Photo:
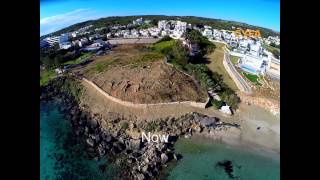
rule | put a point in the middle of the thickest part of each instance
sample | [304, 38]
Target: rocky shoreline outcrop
[114, 138]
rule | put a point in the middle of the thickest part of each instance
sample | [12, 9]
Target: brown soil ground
[97, 103]
[134, 73]
[270, 91]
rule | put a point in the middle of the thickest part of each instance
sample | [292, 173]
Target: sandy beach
[259, 131]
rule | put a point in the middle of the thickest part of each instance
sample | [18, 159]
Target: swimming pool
[249, 69]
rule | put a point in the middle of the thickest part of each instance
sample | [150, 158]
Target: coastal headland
[106, 101]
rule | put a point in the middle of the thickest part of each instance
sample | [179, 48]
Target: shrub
[124, 125]
[165, 38]
[230, 97]
[151, 126]
[217, 104]
[99, 68]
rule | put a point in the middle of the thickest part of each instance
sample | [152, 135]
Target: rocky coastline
[115, 138]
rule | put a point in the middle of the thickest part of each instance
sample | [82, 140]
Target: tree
[179, 54]
[230, 98]
[202, 42]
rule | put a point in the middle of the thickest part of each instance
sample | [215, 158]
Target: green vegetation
[230, 97]
[73, 87]
[234, 59]
[144, 26]
[135, 60]
[100, 67]
[216, 104]
[164, 45]
[275, 51]
[124, 125]
[178, 56]
[79, 60]
[54, 58]
[274, 45]
[216, 65]
[251, 77]
[45, 76]
[151, 126]
[204, 45]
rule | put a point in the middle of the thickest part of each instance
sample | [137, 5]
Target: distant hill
[123, 20]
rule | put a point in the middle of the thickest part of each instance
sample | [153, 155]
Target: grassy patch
[251, 77]
[45, 76]
[216, 65]
[163, 46]
[151, 126]
[124, 125]
[144, 26]
[142, 59]
[74, 87]
[216, 104]
[79, 59]
[133, 61]
[234, 59]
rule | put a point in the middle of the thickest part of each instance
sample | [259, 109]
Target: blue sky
[57, 14]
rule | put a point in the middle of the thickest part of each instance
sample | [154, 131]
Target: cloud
[54, 23]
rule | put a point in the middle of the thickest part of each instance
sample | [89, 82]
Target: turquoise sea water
[62, 155]
[200, 159]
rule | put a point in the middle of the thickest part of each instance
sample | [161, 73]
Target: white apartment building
[144, 32]
[74, 34]
[255, 49]
[252, 64]
[217, 34]
[181, 26]
[63, 38]
[52, 40]
[271, 39]
[164, 33]
[162, 24]
[207, 32]
[273, 68]
[154, 31]
[65, 45]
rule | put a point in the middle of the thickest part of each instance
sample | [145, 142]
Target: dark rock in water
[115, 150]
[208, 121]
[227, 166]
[103, 168]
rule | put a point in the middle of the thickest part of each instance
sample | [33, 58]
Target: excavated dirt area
[136, 74]
[154, 83]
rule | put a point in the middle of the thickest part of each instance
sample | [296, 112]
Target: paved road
[244, 86]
